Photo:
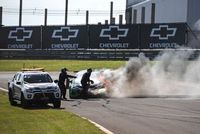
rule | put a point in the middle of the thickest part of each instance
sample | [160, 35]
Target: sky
[33, 11]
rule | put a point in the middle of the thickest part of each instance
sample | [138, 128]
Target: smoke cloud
[170, 74]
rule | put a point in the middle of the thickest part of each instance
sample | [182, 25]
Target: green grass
[56, 65]
[16, 120]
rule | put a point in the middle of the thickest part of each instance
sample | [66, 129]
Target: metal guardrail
[83, 54]
[74, 54]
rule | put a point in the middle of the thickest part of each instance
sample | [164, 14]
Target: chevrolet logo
[20, 34]
[114, 32]
[163, 32]
[65, 33]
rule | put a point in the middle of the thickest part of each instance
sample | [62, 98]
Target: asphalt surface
[135, 115]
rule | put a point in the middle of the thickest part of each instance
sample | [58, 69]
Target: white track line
[99, 126]
[5, 90]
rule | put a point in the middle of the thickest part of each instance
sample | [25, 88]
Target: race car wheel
[11, 99]
[57, 103]
[24, 102]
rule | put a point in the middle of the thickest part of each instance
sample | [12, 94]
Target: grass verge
[56, 65]
[16, 120]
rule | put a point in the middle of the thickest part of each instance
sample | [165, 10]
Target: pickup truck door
[17, 87]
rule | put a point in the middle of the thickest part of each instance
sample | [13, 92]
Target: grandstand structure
[163, 11]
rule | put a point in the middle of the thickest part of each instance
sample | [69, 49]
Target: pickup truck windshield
[37, 78]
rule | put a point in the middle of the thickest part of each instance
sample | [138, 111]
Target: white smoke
[170, 74]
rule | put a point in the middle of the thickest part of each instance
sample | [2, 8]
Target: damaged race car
[96, 88]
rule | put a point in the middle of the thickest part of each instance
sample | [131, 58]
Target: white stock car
[96, 89]
[30, 87]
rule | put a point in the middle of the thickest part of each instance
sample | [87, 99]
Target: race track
[135, 115]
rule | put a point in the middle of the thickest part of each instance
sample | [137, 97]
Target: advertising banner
[132, 36]
[20, 38]
[113, 37]
[65, 37]
[161, 36]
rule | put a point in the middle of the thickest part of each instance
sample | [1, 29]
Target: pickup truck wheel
[24, 102]
[57, 104]
[11, 99]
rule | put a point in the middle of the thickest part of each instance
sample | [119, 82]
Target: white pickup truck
[30, 87]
